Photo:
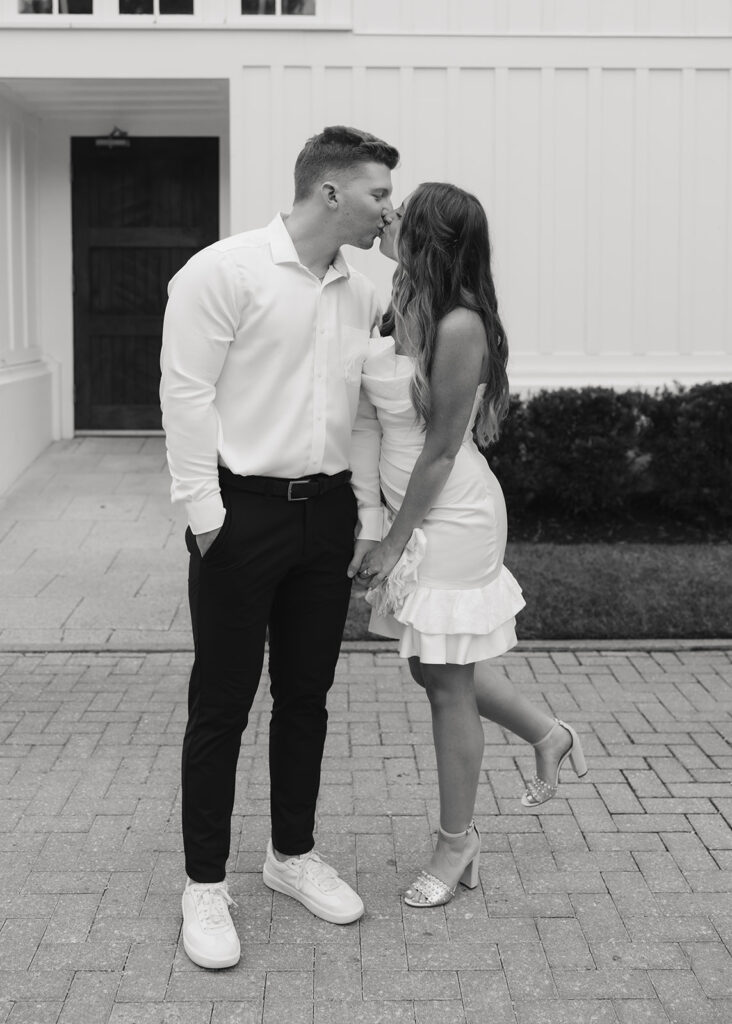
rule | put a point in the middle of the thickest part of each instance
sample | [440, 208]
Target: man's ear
[329, 192]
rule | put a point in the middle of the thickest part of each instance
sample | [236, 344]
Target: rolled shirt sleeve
[365, 451]
[365, 454]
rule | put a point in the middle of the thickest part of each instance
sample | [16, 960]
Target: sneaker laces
[212, 904]
[317, 871]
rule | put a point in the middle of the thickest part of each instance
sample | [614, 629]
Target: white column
[56, 273]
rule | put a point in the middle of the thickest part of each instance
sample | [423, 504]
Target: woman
[437, 375]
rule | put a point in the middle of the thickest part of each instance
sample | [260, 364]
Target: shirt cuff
[370, 524]
[207, 514]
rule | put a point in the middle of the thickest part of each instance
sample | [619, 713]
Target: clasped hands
[373, 561]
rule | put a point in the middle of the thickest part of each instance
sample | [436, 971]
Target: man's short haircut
[338, 148]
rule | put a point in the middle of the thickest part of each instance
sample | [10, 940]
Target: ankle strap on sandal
[458, 835]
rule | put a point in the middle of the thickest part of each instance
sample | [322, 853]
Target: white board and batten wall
[597, 133]
[542, 17]
[599, 140]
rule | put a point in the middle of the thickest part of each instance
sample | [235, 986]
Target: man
[263, 341]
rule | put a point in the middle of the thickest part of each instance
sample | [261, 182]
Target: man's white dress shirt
[261, 371]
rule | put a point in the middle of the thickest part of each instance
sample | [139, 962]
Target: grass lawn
[599, 591]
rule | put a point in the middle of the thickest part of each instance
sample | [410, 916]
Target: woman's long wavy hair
[444, 256]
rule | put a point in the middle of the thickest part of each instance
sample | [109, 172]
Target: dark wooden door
[138, 214]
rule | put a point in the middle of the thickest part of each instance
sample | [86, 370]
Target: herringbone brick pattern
[609, 904]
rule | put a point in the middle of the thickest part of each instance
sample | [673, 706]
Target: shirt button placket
[320, 386]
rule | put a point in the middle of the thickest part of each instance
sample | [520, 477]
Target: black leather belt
[276, 487]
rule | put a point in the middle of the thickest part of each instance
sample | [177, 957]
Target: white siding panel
[572, 16]
[667, 15]
[525, 16]
[538, 17]
[258, 131]
[407, 129]
[617, 16]
[499, 212]
[607, 193]
[570, 207]
[298, 124]
[520, 199]
[641, 247]
[616, 192]
[337, 97]
[714, 16]
[376, 16]
[475, 135]
[605, 165]
[474, 15]
[664, 211]
[430, 123]
[710, 258]
[381, 104]
[593, 206]
[426, 15]
[547, 226]
[607, 190]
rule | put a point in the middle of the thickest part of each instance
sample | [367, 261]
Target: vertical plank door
[138, 213]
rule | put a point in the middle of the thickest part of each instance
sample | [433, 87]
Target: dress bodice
[386, 377]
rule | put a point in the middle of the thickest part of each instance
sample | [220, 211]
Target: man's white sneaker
[209, 936]
[315, 884]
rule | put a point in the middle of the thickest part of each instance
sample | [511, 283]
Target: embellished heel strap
[428, 891]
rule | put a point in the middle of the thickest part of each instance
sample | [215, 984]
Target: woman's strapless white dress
[464, 604]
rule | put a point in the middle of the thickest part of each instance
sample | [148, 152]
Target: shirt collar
[283, 249]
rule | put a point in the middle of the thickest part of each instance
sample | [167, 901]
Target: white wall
[25, 380]
[606, 183]
[598, 134]
[584, 17]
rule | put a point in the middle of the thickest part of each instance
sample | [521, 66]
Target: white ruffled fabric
[392, 592]
[455, 627]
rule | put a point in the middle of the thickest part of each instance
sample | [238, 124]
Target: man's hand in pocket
[205, 540]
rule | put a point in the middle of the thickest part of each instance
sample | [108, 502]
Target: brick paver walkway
[610, 904]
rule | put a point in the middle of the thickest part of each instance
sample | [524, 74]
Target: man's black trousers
[279, 564]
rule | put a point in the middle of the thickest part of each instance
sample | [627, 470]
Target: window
[278, 6]
[57, 7]
[153, 7]
[308, 13]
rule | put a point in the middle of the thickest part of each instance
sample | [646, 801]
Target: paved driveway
[91, 549]
[609, 904]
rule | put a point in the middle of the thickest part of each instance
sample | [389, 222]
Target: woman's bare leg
[459, 742]
[498, 700]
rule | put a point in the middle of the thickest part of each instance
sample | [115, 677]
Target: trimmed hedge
[610, 592]
[593, 451]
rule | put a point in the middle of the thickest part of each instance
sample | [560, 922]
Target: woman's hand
[379, 562]
[361, 550]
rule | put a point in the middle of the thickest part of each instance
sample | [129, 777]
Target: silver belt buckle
[294, 483]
